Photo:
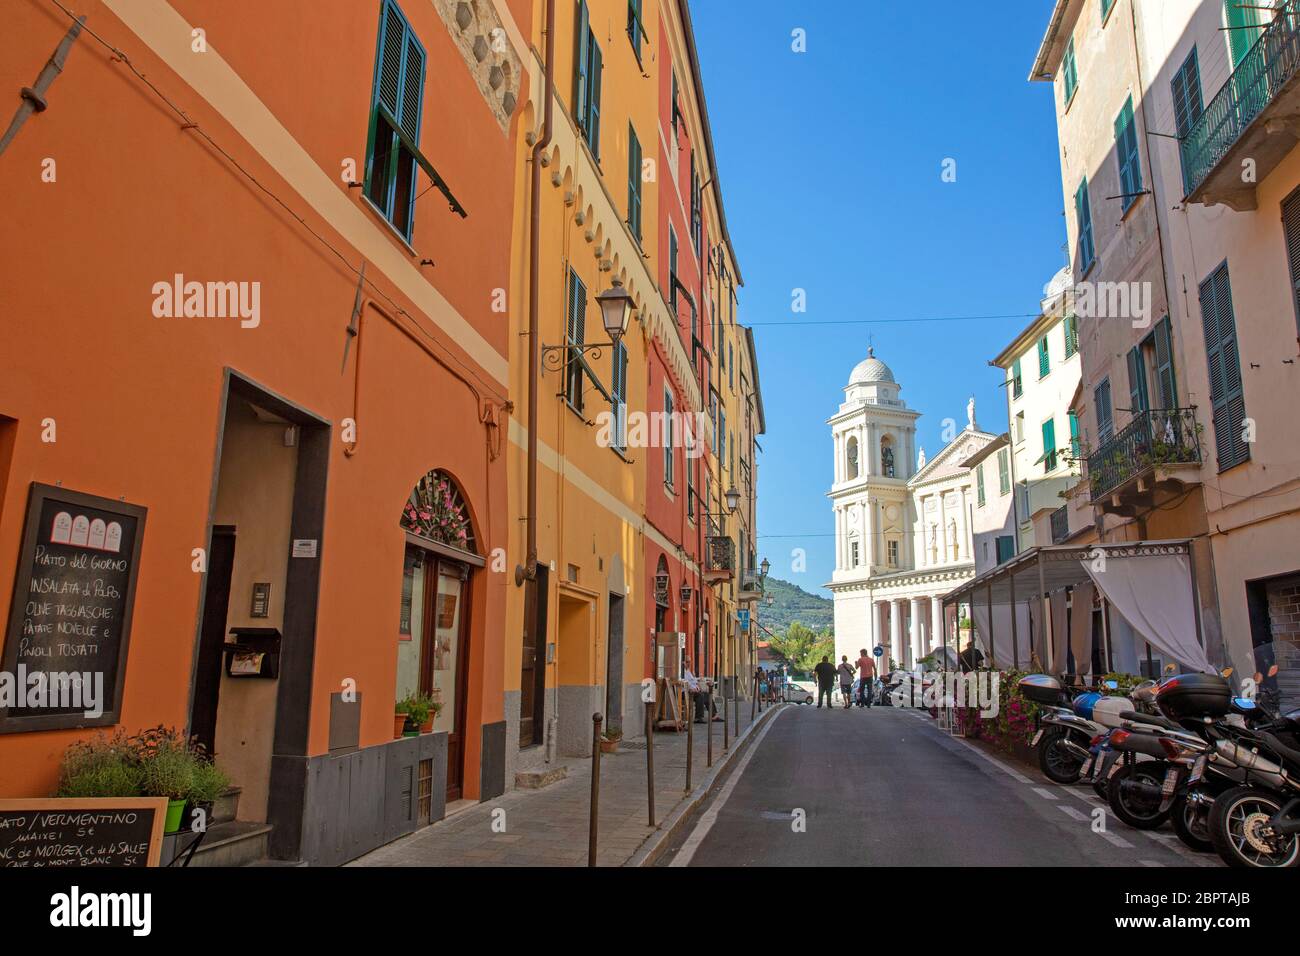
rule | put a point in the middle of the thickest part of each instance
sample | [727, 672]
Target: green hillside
[793, 603]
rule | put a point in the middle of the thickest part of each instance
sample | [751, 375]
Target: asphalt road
[885, 787]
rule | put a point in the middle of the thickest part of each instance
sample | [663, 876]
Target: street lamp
[765, 567]
[615, 309]
[685, 594]
[733, 500]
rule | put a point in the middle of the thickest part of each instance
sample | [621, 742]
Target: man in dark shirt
[825, 672]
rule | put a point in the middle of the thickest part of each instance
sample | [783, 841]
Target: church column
[936, 619]
[918, 648]
[873, 450]
[896, 632]
[839, 538]
[839, 457]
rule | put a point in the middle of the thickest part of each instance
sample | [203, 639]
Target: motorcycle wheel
[1192, 824]
[1138, 812]
[1057, 763]
[1234, 823]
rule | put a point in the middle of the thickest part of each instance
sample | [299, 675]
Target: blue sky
[830, 163]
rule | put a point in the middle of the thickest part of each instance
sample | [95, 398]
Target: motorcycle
[1257, 823]
[1069, 725]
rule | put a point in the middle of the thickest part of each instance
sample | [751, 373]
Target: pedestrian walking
[846, 680]
[825, 672]
[760, 676]
[867, 674]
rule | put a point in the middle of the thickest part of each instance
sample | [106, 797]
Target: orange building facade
[256, 366]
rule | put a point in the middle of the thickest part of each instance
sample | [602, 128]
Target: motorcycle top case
[1106, 710]
[1040, 688]
[1194, 695]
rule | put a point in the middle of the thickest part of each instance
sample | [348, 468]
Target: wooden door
[444, 659]
[212, 635]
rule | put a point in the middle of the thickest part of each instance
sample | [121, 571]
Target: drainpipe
[528, 570]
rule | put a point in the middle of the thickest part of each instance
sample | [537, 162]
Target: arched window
[851, 461]
[436, 510]
[887, 457]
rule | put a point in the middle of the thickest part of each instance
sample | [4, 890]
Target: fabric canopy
[1154, 593]
[1081, 626]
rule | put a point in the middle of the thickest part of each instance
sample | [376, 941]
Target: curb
[653, 848]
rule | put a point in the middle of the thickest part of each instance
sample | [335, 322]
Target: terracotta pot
[608, 746]
[399, 724]
[427, 726]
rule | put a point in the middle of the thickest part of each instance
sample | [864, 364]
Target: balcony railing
[751, 581]
[720, 555]
[1060, 524]
[1160, 436]
[1266, 68]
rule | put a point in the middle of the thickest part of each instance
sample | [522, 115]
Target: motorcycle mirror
[1272, 671]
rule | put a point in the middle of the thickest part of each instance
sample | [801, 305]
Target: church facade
[903, 534]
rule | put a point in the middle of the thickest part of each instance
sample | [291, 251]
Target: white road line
[1044, 793]
[684, 855]
[1069, 811]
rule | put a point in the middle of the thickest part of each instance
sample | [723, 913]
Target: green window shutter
[1241, 17]
[979, 484]
[1226, 393]
[1291, 228]
[1186, 89]
[1168, 382]
[1044, 358]
[668, 438]
[575, 331]
[633, 182]
[1049, 445]
[1071, 325]
[1004, 473]
[634, 26]
[672, 270]
[1126, 150]
[1017, 382]
[1106, 6]
[1083, 214]
[1074, 436]
[595, 66]
[581, 62]
[1069, 72]
[618, 394]
[1138, 400]
[390, 171]
[1006, 548]
[1101, 407]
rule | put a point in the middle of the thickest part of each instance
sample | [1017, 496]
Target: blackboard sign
[65, 647]
[91, 832]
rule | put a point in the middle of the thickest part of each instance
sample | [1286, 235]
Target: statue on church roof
[970, 413]
[920, 459]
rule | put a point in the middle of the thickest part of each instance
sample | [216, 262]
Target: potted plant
[168, 767]
[609, 740]
[208, 783]
[399, 717]
[100, 767]
[419, 710]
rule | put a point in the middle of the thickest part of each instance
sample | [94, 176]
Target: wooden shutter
[595, 64]
[618, 393]
[1167, 381]
[412, 88]
[633, 182]
[1226, 393]
[1074, 436]
[979, 484]
[1291, 227]
[576, 331]
[1126, 148]
[581, 67]
[1049, 444]
[1016, 381]
[1186, 88]
[1101, 403]
[1044, 358]
[1083, 214]
[1004, 473]
[1138, 399]
[388, 69]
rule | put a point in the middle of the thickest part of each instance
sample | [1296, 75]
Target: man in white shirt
[699, 692]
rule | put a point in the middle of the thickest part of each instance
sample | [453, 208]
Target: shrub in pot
[609, 741]
[419, 711]
[208, 783]
[101, 767]
[169, 771]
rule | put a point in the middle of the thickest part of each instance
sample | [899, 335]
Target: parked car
[797, 694]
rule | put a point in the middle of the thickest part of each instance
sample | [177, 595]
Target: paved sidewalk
[549, 827]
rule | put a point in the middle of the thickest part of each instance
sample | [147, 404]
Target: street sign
[878, 651]
[743, 616]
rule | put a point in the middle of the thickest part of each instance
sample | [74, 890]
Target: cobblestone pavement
[549, 827]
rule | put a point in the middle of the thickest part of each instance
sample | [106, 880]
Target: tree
[803, 647]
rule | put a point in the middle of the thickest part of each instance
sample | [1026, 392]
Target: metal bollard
[650, 757]
[708, 727]
[690, 742]
[595, 787]
[726, 730]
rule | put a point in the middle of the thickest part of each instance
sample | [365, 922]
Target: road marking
[1150, 863]
[1071, 812]
[1045, 793]
[687, 851]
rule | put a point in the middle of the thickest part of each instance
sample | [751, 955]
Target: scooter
[1257, 824]
[1068, 726]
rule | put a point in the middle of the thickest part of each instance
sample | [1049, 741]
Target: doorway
[532, 669]
[614, 665]
[212, 636]
[433, 648]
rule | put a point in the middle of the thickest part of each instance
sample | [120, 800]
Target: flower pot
[427, 726]
[189, 821]
[608, 746]
[175, 814]
[399, 725]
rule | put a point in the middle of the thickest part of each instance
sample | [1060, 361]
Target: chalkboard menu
[91, 832]
[70, 620]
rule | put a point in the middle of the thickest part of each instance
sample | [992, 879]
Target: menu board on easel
[70, 619]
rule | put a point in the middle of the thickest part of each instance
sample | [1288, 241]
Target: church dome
[871, 370]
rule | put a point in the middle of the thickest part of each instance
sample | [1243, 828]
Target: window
[672, 270]
[1049, 446]
[1017, 381]
[1006, 548]
[697, 210]
[1105, 421]
[1226, 393]
[1186, 88]
[722, 435]
[677, 113]
[1083, 216]
[1126, 149]
[618, 395]
[689, 465]
[575, 329]
[1074, 436]
[855, 556]
[1071, 325]
[1291, 229]
[668, 438]
[731, 367]
[851, 459]
[1020, 427]
[1069, 72]
[979, 484]
[633, 182]
[1044, 358]
[587, 66]
[634, 28]
[1138, 400]
[1004, 472]
[893, 554]
[393, 141]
